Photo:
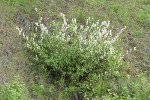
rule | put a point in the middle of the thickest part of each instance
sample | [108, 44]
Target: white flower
[68, 38]
[36, 23]
[36, 29]
[23, 35]
[81, 26]
[61, 14]
[75, 29]
[46, 31]
[19, 30]
[103, 23]
[130, 50]
[88, 20]
[74, 21]
[127, 52]
[134, 48]
[27, 38]
[43, 29]
[38, 47]
[35, 9]
[28, 46]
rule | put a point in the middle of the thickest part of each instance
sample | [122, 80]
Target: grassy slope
[11, 55]
[135, 14]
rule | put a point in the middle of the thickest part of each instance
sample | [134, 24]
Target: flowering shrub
[76, 56]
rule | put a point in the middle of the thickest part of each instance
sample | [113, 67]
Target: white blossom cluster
[31, 41]
[42, 27]
[89, 37]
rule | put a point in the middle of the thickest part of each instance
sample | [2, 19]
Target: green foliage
[76, 57]
[144, 18]
[37, 89]
[146, 2]
[13, 2]
[2, 93]
[43, 92]
[137, 33]
[114, 7]
[123, 16]
[15, 90]
[81, 16]
[141, 87]
[16, 2]
[96, 2]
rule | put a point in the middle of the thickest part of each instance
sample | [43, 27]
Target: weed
[15, 90]
[143, 18]
[81, 16]
[113, 8]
